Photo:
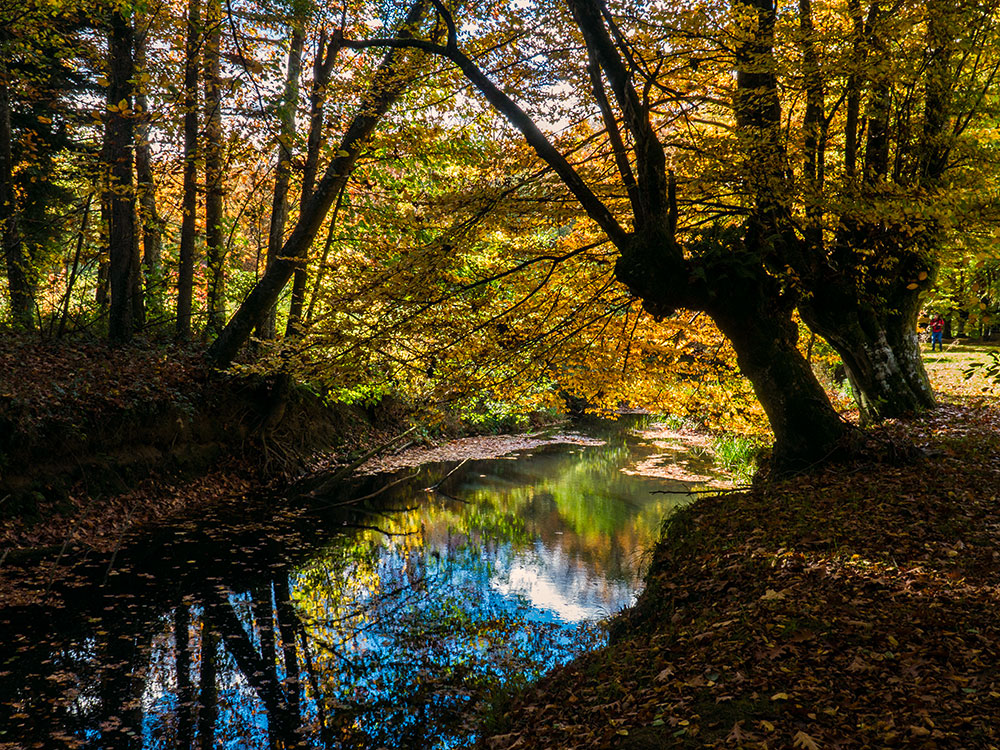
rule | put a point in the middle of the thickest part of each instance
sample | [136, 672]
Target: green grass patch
[737, 456]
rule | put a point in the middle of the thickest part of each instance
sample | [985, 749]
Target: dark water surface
[326, 625]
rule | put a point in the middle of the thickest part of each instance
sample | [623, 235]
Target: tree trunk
[123, 242]
[20, 288]
[214, 240]
[288, 624]
[807, 430]
[152, 223]
[208, 693]
[322, 67]
[258, 669]
[189, 201]
[877, 341]
[182, 664]
[283, 167]
[749, 308]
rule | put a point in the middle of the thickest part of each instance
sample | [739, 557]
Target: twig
[709, 491]
[362, 527]
[452, 497]
[444, 479]
[356, 500]
[382, 489]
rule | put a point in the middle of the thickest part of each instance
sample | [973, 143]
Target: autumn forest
[225, 220]
[453, 201]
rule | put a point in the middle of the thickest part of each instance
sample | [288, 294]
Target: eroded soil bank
[95, 440]
[856, 607]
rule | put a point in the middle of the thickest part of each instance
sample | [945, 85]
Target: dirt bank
[94, 439]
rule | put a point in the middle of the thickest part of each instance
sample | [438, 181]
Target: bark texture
[214, 189]
[126, 311]
[20, 288]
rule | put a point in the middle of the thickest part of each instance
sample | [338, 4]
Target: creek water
[336, 624]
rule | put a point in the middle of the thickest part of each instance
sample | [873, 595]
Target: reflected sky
[327, 625]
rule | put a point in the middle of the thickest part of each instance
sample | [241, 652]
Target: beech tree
[901, 184]
[723, 271]
[189, 204]
[214, 172]
[126, 311]
[766, 228]
[283, 166]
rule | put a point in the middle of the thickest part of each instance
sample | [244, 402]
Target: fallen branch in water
[327, 484]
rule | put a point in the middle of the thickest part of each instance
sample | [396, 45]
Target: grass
[947, 368]
[737, 455]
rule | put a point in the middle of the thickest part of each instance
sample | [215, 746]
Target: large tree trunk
[189, 201]
[750, 309]
[123, 242]
[807, 429]
[725, 276]
[214, 241]
[876, 340]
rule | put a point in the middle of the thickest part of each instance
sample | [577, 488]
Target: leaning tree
[730, 270]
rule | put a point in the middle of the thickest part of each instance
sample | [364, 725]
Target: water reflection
[331, 626]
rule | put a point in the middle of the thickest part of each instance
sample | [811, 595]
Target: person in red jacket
[937, 331]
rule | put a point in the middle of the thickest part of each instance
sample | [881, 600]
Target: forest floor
[856, 607]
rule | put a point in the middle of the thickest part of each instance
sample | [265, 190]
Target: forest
[221, 218]
[502, 203]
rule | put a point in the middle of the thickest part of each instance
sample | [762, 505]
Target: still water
[337, 625]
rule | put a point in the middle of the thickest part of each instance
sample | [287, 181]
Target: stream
[337, 624]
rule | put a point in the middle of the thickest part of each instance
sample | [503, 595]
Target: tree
[18, 268]
[189, 206]
[864, 291]
[126, 311]
[150, 219]
[723, 272]
[326, 55]
[388, 83]
[214, 171]
[286, 134]
[43, 61]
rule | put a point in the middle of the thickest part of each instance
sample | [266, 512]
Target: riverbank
[96, 441]
[856, 607]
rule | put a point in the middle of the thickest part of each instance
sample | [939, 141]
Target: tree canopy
[499, 203]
